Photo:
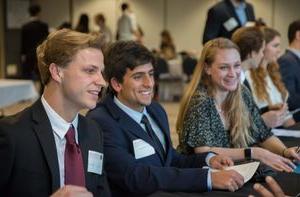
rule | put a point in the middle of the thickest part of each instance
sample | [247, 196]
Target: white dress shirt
[60, 128]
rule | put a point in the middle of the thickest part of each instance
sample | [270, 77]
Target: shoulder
[218, 8]
[249, 5]
[245, 91]
[157, 107]
[99, 113]
[247, 96]
[287, 57]
[200, 98]
[18, 125]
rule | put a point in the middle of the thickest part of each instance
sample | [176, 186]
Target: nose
[148, 81]
[231, 72]
[99, 80]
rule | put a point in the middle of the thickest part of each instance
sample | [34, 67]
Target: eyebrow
[139, 73]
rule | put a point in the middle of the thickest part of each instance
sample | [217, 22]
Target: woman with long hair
[251, 42]
[217, 113]
[265, 81]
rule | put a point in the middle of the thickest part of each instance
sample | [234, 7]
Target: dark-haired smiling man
[140, 158]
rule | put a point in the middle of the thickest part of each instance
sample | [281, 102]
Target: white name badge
[95, 162]
[230, 24]
[142, 149]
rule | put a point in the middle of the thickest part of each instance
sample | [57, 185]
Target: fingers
[221, 162]
[284, 165]
[293, 154]
[262, 190]
[233, 186]
[217, 165]
[275, 188]
[71, 190]
[229, 162]
[237, 178]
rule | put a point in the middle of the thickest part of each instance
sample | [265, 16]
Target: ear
[297, 36]
[56, 73]
[117, 86]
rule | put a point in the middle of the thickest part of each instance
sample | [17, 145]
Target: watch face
[247, 152]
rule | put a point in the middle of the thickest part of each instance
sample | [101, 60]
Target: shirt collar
[295, 51]
[135, 115]
[58, 124]
[236, 5]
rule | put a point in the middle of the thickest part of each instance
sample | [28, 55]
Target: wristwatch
[247, 152]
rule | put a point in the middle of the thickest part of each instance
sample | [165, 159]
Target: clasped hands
[225, 179]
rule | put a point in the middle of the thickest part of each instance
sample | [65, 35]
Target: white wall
[285, 13]
[54, 12]
[93, 7]
[184, 18]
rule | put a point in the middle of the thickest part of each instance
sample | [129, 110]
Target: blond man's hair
[61, 46]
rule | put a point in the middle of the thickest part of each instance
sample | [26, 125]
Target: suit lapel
[164, 126]
[44, 132]
[127, 123]
[294, 56]
[84, 143]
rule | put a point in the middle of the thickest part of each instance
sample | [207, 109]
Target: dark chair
[188, 66]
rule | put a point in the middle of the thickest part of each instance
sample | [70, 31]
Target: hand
[72, 191]
[292, 153]
[227, 179]
[275, 118]
[220, 162]
[276, 191]
[273, 160]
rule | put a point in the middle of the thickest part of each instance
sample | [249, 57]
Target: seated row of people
[218, 113]
[49, 147]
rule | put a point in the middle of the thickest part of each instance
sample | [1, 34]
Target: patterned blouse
[203, 125]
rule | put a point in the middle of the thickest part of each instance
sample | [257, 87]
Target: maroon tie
[74, 171]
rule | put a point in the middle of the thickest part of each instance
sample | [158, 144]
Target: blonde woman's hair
[259, 74]
[61, 46]
[235, 108]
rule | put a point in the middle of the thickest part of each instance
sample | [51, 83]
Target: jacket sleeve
[212, 26]
[6, 157]
[289, 76]
[133, 175]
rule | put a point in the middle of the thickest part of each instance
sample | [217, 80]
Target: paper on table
[286, 133]
[246, 170]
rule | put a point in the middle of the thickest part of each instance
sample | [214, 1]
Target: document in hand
[246, 170]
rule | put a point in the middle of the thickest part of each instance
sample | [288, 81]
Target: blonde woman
[218, 114]
[265, 81]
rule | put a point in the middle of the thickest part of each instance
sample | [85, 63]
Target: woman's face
[225, 70]
[272, 50]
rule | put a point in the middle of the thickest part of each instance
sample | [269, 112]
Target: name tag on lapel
[230, 24]
[95, 162]
[142, 149]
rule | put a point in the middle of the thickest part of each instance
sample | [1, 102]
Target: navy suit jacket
[28, 155]
[218, 15]
[138, 177]
[290, 69]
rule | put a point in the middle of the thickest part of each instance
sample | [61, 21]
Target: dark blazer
[32, 34]
[137, 177]
[28, 155]
[290, 69]
[218, 15]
